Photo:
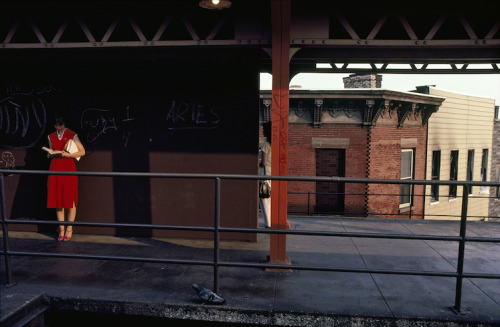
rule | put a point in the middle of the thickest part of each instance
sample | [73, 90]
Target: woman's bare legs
[66, 233]
[71, 218]
[60, 217]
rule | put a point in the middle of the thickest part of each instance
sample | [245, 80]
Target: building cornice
[357, 106]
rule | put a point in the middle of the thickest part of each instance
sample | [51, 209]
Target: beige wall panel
[462, 123]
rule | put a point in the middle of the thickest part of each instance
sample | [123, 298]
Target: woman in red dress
[63, 189]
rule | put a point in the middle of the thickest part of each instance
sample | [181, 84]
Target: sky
[481, 85]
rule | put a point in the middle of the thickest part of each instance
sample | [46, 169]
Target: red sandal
[61, 235]
[67, 237]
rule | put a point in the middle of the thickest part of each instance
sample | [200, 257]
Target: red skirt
[62, 190]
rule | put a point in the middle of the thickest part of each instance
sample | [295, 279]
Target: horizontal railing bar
[482, 239]
[342, 234]
[112, 258]
[353, 214]
[249, 177]
[476, 196]
[242, 230]
[261, 231]
[337, 269]
[128, 174]
[111, 225]
[481, 275]
[231, 264]
[254, 265]
[358, 270]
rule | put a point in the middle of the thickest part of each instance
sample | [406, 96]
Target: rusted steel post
[280, 13]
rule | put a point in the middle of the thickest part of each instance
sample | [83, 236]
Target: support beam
[280, 13]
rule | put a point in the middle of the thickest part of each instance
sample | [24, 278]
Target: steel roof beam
[320, 32]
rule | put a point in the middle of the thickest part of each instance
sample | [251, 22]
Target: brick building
[360, 131]
[494, 205]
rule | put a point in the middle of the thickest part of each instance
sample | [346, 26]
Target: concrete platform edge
[225, 314]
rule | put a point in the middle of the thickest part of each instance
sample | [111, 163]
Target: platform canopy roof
[348, 36]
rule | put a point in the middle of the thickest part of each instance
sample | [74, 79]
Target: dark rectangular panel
[176, 117]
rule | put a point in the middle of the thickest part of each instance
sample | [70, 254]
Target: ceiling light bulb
[215, 4]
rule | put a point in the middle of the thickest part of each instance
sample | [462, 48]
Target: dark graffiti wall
[180, 117]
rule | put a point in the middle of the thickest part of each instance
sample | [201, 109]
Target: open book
[70, 147]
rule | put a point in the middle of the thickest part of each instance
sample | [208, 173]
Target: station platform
[254, 296]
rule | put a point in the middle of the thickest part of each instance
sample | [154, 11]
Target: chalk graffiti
[125, 138]
[14, 89]
[22, 121]
[191, 116]
[45, 89]
[23, 115]
[8, 161]
[127, 115]
[95, 122]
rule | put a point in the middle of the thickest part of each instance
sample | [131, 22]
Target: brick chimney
[365, 81]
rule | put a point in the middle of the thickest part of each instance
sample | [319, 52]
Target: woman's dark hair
[59, 120]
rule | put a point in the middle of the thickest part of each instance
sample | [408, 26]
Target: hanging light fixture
[215, 4]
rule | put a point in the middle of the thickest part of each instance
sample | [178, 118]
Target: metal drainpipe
[425, 169]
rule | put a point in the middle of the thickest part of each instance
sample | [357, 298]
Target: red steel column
[280, 16]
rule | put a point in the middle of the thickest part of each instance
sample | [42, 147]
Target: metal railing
[309, 206]
[216, 229]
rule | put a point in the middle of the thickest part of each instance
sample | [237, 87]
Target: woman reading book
[63, 189]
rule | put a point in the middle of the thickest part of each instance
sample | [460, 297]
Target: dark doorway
[330, 196]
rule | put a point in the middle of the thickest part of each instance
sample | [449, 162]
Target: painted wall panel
[137, 116]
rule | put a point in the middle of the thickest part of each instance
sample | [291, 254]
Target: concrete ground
[258, 297]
